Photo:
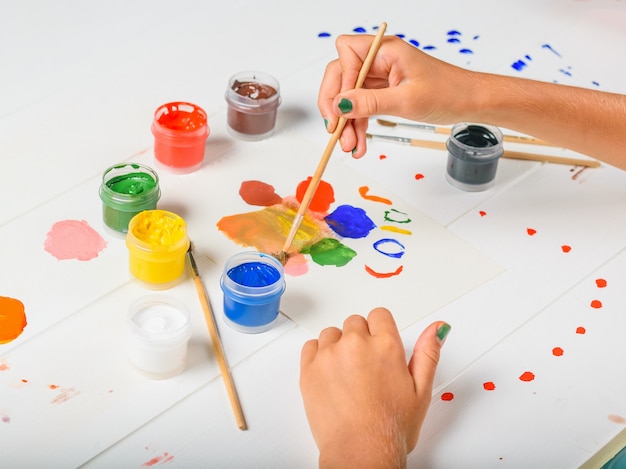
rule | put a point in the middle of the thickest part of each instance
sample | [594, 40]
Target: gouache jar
[180, 131]
[158, 331]
[473, 154]
[157, 245]
[253, 284]
[253, 99]
[126, 190]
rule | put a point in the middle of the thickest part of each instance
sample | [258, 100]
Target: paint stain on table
[12, 320]
[74, 239]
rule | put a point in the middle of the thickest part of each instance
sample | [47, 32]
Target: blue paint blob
[595, 83]
[396, 255]
[429, 47]
[454, 32]
[466, 51]
[401, 36]
[324, 34]
[350, 222]
[414, 42]
[454, 40]
[519, 65]
[359, 29]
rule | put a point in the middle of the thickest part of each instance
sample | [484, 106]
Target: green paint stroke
[396, 218]
[330, 251]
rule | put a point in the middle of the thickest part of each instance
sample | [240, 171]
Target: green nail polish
[326, 124]
[354, 150]
[442, 332]
[345, 105]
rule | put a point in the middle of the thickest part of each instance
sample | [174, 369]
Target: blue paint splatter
[324, 34]
[359, 29]
[414, 42]
[519, 65]
[350, 222]
[396, 255]
[429, 48]
[454, 40]
[566, 71]
[401, 36]
[454, 32]
[466, 51]
[595, 83]
[549, 47]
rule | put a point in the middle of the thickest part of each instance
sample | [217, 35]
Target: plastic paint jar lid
[157, 244]
[253, 284]
[473, 154]
[158, 331]
[180, 131]
[126, 190]
[253, 99]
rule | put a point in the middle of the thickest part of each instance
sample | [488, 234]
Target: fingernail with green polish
[326, 124]
[354, 150]
[442, 332]
[345, 105]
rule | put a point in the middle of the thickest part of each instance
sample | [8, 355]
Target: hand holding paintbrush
[321, 167]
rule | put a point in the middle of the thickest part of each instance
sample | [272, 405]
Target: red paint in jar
[180, 131]
[253, 99]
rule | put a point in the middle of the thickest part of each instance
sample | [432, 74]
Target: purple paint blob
[350, 222]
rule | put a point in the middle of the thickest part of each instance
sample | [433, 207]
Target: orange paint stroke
[373, 273]
[489, 386]
[363, 190]
[600, 283]
[12, 319]
[597, 304]
[527, 376]
[395, 229]
[447, 396]
[581, 330]
[557, 351]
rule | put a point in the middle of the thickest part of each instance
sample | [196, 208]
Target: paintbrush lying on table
[517, 155]
[446, 131]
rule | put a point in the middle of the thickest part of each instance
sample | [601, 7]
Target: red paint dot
[489, 386]
[565, 248]
[601, 283]
[482, 213]
[447, 396]
[527, 376]
[531, 231]
[581, 330]
[53, 386]
[597, 304]
[382, 157]
[557, 351]
[419, 176]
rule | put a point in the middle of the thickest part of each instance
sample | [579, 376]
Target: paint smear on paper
[376, 274]
[447, 396]
[565, 248]
[557, 351]
[74, 239]
[581, 330]
[65, 394]
[527, 376]
[489, 386]
[350, 222]
[12, 320]
[531, 231]
[596, 304]
[259, 193]
[322, 199]
[617, 419]
[601, 283]
[364, 191]
[162, 459]
[330, 251]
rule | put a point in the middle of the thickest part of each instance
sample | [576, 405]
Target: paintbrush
[446, 131]
[317, 176]
[518, 155]
[217, 342]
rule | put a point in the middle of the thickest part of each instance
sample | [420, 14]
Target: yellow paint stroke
[363, 190]
[395, 229]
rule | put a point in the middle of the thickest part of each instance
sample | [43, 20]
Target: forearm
[587, 121]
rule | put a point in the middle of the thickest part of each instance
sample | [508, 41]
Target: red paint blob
[601, 283]
[447, 396]
[581, 330]
[527, 376]
[323, 197]
[259, 193]
[382, 157]
[565, 248]
[489, 386]
[531, 231]
[557, 351]
[482, 213]
[597, 304]
[419, 176]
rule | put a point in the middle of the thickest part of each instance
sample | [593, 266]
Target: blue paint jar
[473, 154]
[253, 284]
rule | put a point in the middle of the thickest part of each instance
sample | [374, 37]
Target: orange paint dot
[557, 351]
[527, 376]
[482, 213]
[489, 386]
[12, 319]
[447, 396]
[382, 157]
[597, 304]
[24, 381]
[565, 248]
[531, 231]
[600, 282]
[419, 176]
[53, 386]
[581, 330]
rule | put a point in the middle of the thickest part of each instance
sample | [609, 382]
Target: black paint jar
[473, 154]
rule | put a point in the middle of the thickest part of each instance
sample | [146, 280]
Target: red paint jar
[253, 99]
[180, 131]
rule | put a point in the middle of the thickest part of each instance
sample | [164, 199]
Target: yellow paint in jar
[157, 244]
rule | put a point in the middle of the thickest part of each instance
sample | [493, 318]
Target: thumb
[359, 103]
[423, 363]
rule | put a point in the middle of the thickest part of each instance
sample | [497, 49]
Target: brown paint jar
[253, 99]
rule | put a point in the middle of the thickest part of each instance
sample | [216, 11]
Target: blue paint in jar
[253, 284]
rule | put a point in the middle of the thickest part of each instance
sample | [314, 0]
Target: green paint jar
[126, 190]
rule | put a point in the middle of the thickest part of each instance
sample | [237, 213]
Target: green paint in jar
[126, 190]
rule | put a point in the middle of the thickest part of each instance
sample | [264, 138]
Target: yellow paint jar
[157, 243]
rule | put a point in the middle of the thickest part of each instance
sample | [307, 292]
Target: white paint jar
[158, 330]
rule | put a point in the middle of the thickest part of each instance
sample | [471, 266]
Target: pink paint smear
[164, 458]
[74, 239]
